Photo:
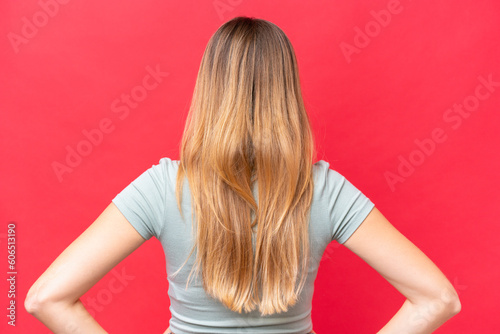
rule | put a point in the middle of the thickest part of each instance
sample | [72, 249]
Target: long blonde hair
[247, 122]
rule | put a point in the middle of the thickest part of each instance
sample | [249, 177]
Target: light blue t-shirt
[149, 204]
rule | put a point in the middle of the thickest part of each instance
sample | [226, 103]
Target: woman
[244, 211]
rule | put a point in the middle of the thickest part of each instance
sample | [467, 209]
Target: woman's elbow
[451, 301]
[454, 303]
[457, 305]
[30, 303]
[35, 300]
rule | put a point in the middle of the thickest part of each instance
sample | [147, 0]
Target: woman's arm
[431, 298]
[54, 298]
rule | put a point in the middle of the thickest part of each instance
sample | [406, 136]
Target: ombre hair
[247, 126]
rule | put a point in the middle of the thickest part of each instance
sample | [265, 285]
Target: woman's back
[337, 209]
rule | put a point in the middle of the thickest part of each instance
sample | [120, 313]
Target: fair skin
[54, 298]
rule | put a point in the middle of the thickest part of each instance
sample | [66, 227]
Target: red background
[368, 109]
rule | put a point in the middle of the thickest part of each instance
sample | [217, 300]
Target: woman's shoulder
[164, 171]
[323, 171]
[328, 179]
[168, 163]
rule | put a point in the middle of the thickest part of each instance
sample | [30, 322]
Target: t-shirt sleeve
[142, 202]
[347, 206]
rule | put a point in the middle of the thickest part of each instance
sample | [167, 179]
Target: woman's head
[247, 125]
